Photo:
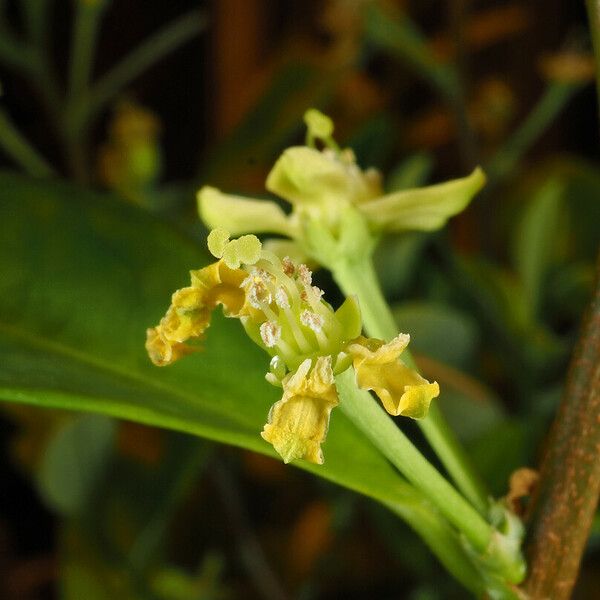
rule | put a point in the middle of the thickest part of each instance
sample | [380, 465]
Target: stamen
[288, 266]
[312, 320]
[270, 333]
[281, 298]
[304, 274]
[256, 288]
[273, 266]
[315, 322]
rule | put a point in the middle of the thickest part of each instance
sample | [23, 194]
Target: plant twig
[569, 487]
[149, 52]
[554, 99]
[19, 149]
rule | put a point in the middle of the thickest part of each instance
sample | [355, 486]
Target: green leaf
[74, 462]
[444, 333]
[537, 238]
[83, 275]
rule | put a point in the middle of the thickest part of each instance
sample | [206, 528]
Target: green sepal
[349, 317]
[240, 215]
[423, 209]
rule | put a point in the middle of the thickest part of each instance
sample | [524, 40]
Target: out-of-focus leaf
[542, 231]
[570, 288]
[74, 462]
[499, 452]
[373, 141]
[396, 34]
[469, 417]
[33, 434]
[498, 297]
[442, 332]
[83, 276]
[396, 260]
[86, 573]
[412, 172]
[269, 126]
[171, 583]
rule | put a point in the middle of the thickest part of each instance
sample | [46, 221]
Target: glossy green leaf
[83, 275]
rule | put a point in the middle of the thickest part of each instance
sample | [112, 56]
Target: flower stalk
[359, 278]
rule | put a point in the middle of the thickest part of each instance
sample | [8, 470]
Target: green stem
[359, 278]
[505, 160]
[14, 53]
[373, 421]
[152, 50]
[19, 149]
[443, 540]
[83, 46]
[393, 31]
[593, 10]
[36, 19]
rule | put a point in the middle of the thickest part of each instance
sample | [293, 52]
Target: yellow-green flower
[331, 198]
[309, 343]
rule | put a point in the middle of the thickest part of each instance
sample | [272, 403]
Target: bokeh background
[139, 103]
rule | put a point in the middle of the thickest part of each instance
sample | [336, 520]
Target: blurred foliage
[423, 92]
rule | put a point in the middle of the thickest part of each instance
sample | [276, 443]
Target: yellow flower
[284, 313]
[401, 389]
[298, 423]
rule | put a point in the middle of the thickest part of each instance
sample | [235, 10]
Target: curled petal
[219, 284]
[401, 389]
[298, 423]
[163, 352]
[424, 209]
[240, 215]
[189, 314]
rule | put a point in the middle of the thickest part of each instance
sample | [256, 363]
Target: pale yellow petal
[401, 389]
[298, 423]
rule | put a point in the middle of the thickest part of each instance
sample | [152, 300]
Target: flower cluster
[309, 343]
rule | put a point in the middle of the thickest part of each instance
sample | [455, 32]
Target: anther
[312, 320]
[288, 266]
[304, 274]
[270, 333]
[281, 298]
